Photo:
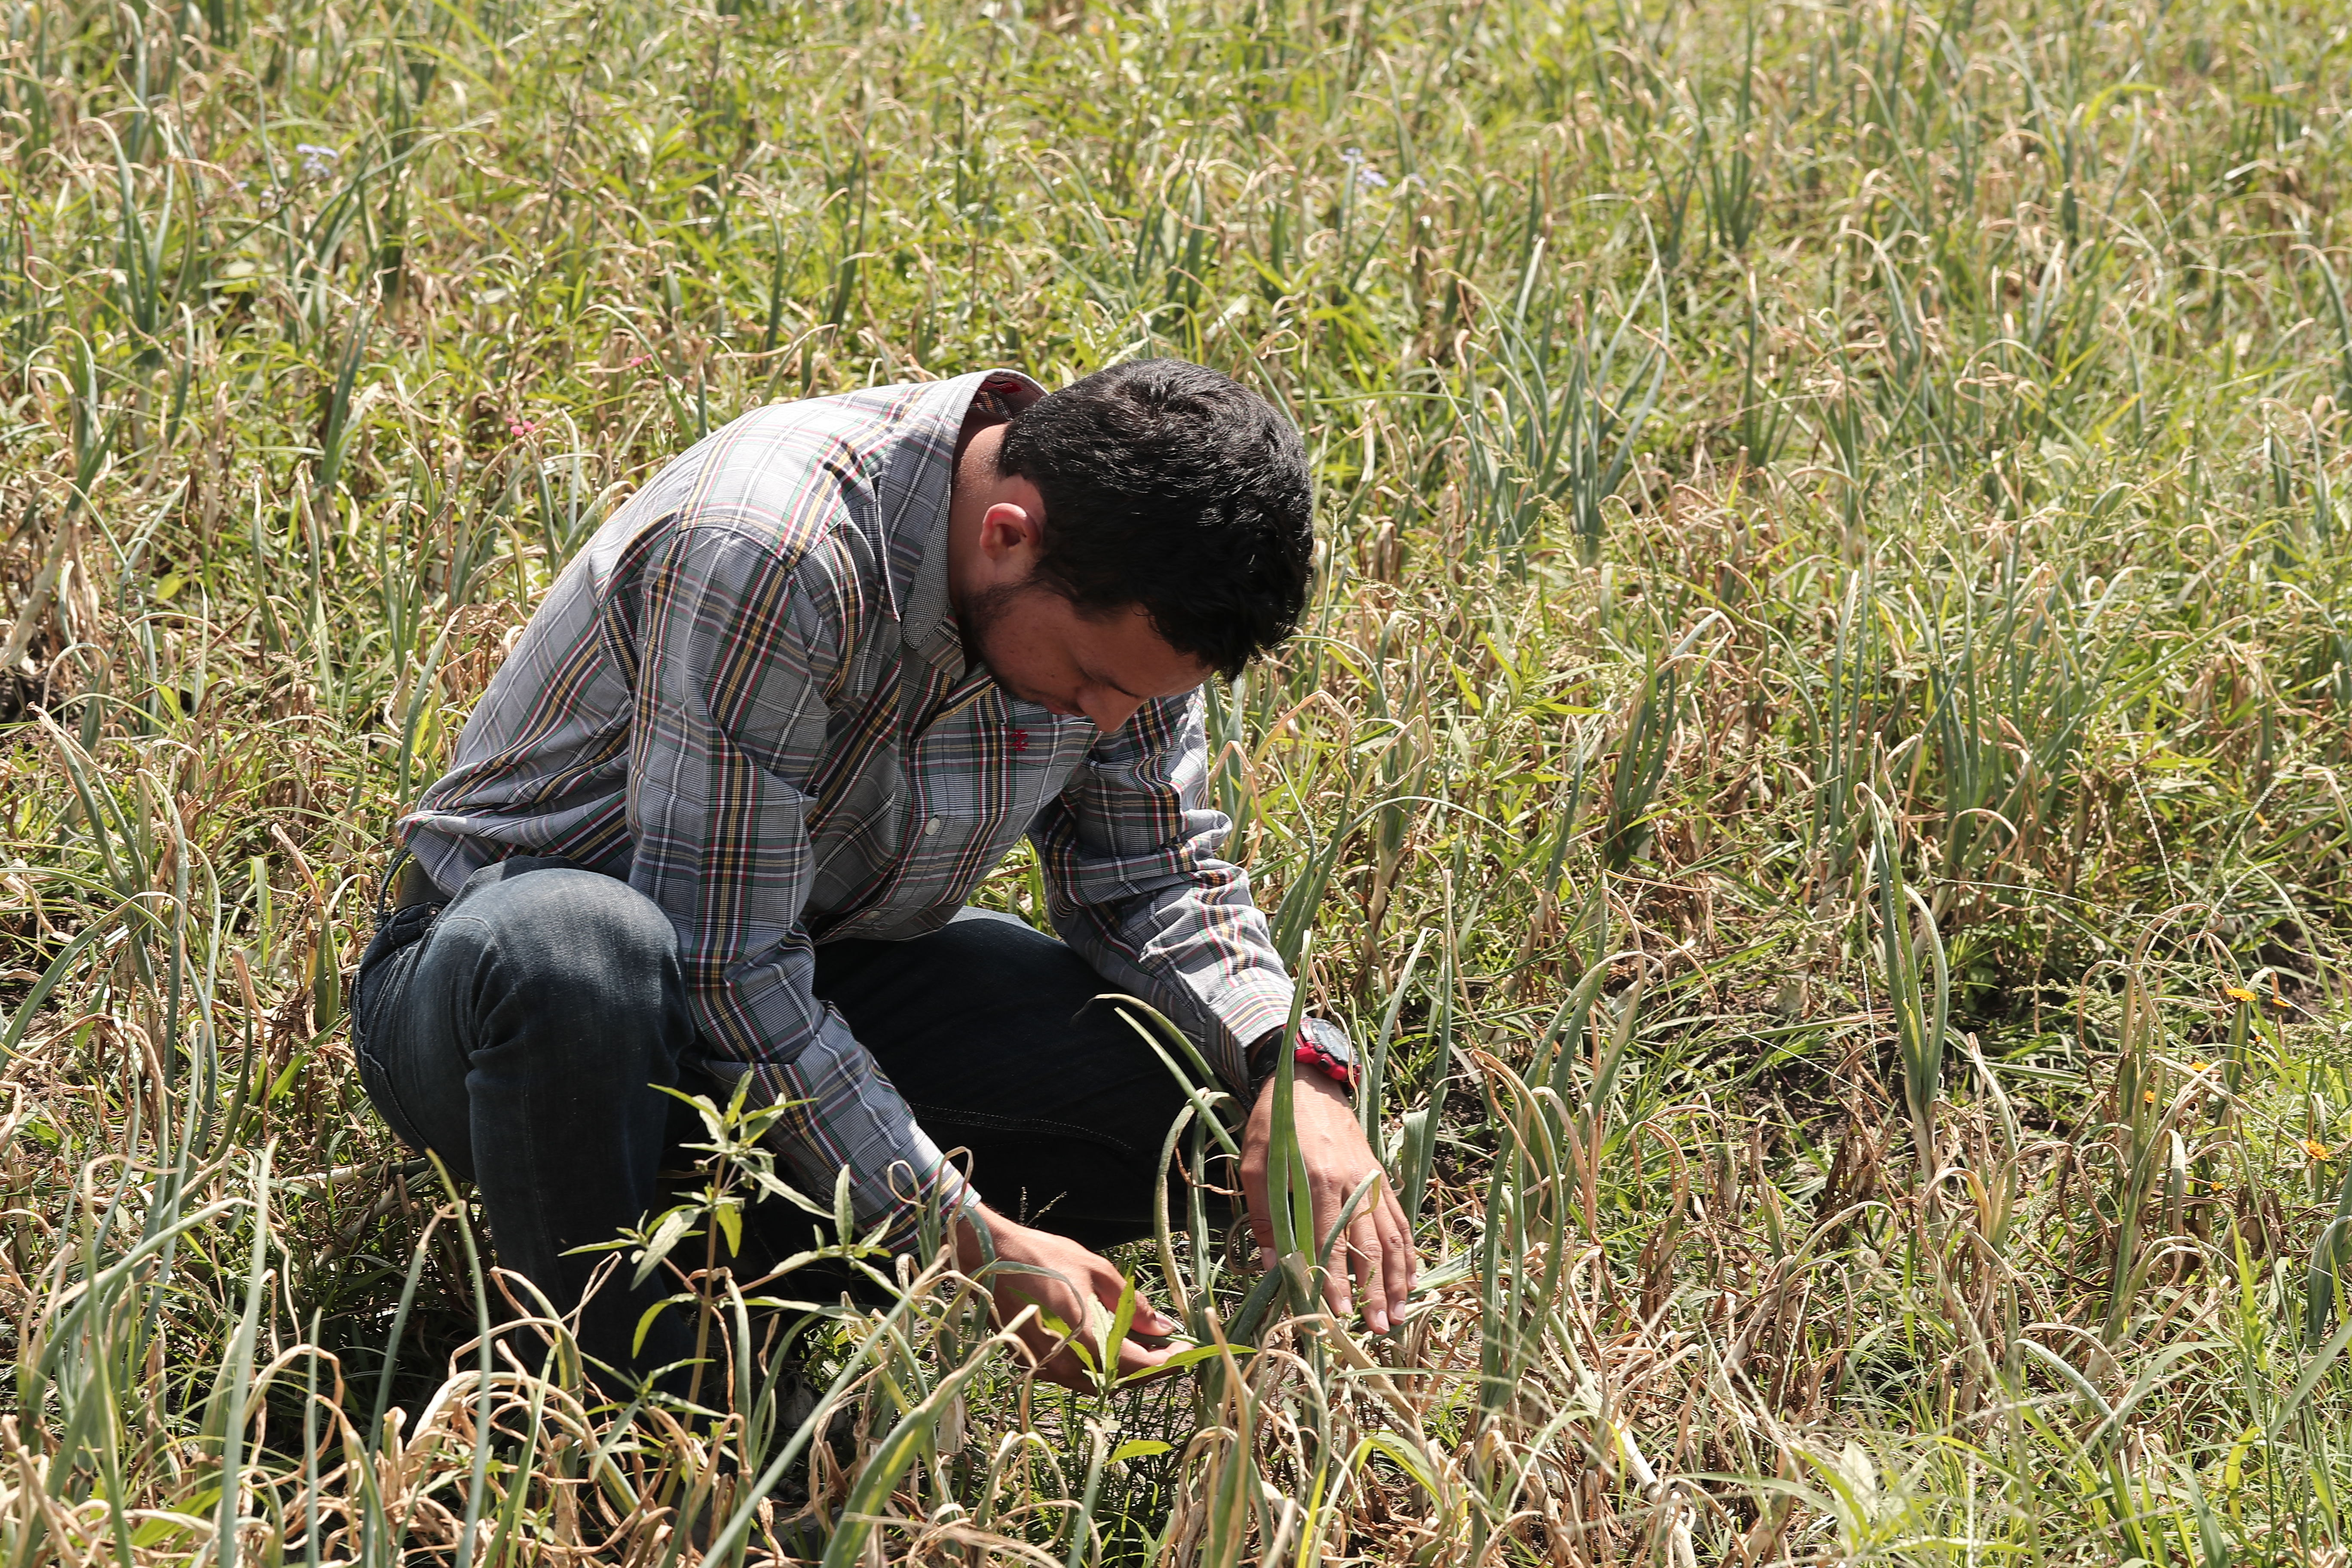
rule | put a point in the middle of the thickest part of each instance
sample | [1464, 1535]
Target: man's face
[1042, 650]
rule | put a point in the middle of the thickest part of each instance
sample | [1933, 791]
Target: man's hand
[1376, 1249]
[1081, 1289]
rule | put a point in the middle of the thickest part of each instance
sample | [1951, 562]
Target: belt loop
[400, 857]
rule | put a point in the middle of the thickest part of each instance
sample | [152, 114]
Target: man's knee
[557, 942]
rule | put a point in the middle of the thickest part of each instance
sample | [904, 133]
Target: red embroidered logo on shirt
[1020, 739]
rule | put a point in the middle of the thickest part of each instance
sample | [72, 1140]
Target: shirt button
[931, 826]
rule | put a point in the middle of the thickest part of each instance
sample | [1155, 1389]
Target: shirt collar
[927, 626]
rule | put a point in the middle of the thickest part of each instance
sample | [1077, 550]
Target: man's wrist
[1318, 1046]
[919, 1203]
[975, 1235]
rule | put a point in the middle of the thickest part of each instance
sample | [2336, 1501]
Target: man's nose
[1108, 710]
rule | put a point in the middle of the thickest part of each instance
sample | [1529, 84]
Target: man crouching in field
[720, 811]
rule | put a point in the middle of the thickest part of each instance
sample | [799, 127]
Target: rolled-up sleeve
[1131, 852]
[737, 645]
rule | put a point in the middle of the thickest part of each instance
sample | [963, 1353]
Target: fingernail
[1379, 1321]
[1266, 1257]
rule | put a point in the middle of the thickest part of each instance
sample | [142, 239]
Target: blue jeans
[519, 1031]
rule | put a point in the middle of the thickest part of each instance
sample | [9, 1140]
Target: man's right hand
[1075, 1282]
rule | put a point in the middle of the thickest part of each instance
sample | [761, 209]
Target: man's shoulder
[845, 486]
[786, 476]
[861, 458]
[788, 460]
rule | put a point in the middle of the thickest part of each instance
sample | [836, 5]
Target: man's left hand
[1375, 1251]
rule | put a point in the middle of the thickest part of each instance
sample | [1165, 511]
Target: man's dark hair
[1169, 486]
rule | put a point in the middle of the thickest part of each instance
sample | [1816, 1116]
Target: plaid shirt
[748, 697]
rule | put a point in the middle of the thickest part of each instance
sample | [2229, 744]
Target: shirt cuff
[1248, 1009]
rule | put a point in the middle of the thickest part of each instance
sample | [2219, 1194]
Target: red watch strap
[1311, 1055]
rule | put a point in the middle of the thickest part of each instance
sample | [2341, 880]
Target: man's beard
[982, 614]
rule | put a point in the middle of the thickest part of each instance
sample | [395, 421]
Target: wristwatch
[1319, 1043]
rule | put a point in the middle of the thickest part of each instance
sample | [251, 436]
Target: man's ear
[1008, 530]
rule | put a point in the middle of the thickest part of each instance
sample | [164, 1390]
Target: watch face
[1330, 1037]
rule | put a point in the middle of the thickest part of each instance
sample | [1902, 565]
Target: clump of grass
[1818, 767]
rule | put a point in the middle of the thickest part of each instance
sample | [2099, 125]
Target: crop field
[1818, 769]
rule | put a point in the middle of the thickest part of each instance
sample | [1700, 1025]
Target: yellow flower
[2201, 1067]
[2148, 1095]
[2315, 1148]
[2239, 993]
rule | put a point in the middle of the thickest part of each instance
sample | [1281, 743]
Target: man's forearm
[842, 1113]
